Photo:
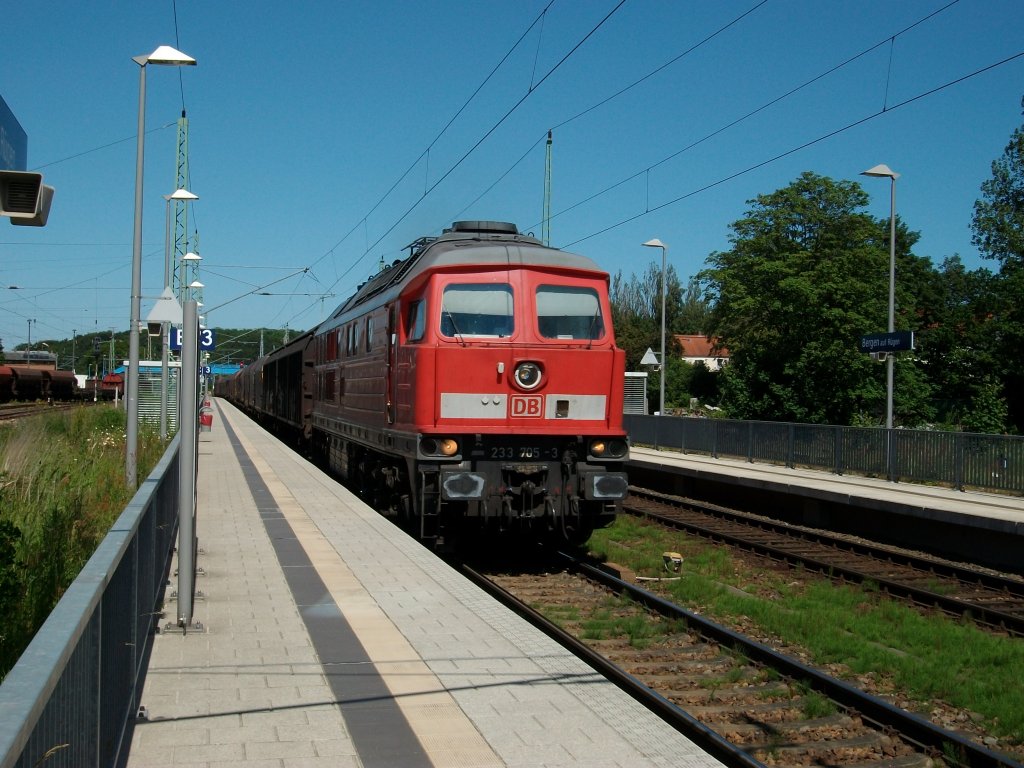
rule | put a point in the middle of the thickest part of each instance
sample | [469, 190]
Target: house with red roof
[698, 348]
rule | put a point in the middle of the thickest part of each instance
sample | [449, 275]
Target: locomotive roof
[467, 242]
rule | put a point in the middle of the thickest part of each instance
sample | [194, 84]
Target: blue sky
[306, 117]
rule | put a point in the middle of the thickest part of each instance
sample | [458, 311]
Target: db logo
[527, 406]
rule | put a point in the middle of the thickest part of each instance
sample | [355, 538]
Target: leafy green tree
[956, 344]
[998, 231]
[998, 223]
[636, 312]
[807, 276]
[694, 311]
[988, 410]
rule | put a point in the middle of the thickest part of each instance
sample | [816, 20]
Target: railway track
[744, 702]
[991, 600]
[20, 411]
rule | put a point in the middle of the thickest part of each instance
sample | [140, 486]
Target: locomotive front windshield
[476, 309]
[485, 310]
[568, 312]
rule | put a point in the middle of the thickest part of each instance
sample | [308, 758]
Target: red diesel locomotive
[473, 387]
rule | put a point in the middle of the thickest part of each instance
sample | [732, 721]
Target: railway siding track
[20, 411]
[742, 701]
[990, 600]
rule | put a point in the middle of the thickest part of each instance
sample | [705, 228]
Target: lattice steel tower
[186, 270]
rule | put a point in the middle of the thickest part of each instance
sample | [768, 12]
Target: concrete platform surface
[328, 638]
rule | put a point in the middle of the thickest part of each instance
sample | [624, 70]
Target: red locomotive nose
[474, 385]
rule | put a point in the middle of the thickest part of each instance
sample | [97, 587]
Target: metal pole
[187, 429]
[880, 171]
[165, 327]
[664, 291]
[892, 299]
[132, 391]
[890, 358]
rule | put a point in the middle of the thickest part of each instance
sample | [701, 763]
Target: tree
[636, 313]
[694, 312]
[998, 223]
[806, 277]
[998, 231]
[957, 346]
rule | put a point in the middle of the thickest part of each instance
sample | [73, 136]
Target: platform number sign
[207, 339]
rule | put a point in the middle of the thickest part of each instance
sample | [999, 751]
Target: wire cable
[805, 145]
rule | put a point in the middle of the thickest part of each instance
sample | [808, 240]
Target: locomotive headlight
[612, 448]
[528, 375]
[439, 446]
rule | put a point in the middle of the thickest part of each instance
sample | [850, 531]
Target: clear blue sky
[303, 116]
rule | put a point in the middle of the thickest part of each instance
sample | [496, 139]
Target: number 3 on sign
[207, 339]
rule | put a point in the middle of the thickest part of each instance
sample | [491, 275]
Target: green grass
[924, 657]
[61, 487]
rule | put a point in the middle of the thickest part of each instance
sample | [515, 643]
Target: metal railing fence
[956, 459]
[73, 696]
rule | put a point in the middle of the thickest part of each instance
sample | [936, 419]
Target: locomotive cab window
[568, 312]
[416, 320]
[481, 310]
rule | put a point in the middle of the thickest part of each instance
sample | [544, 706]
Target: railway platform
[985, 527]
[323, 636]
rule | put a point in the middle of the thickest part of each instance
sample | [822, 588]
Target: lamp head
[655, 243]
[167, 56]
[881, 171]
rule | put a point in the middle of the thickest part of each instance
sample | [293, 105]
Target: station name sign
[897, 341]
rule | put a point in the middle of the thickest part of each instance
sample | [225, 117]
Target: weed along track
[759, 706]
[990, 600]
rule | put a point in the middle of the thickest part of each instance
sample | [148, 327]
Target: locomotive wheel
[576, 528]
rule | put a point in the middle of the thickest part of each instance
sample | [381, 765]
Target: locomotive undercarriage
[561, 500]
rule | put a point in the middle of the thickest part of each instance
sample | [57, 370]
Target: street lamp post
[28, 355]
[655, 243]
[167, 56]
[883, 171]
[178, 194]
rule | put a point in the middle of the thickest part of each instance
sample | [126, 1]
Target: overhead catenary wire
[800, 147]
[636, 83]
[532, 89]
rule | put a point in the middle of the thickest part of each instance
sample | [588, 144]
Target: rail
[955, 459]
[72, 699]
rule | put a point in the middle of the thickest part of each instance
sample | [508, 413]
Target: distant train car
[277, 389]
[474, 386]
[6, 383]
[19, 382]
[60, 385]
[29, 383]
[111, 386]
